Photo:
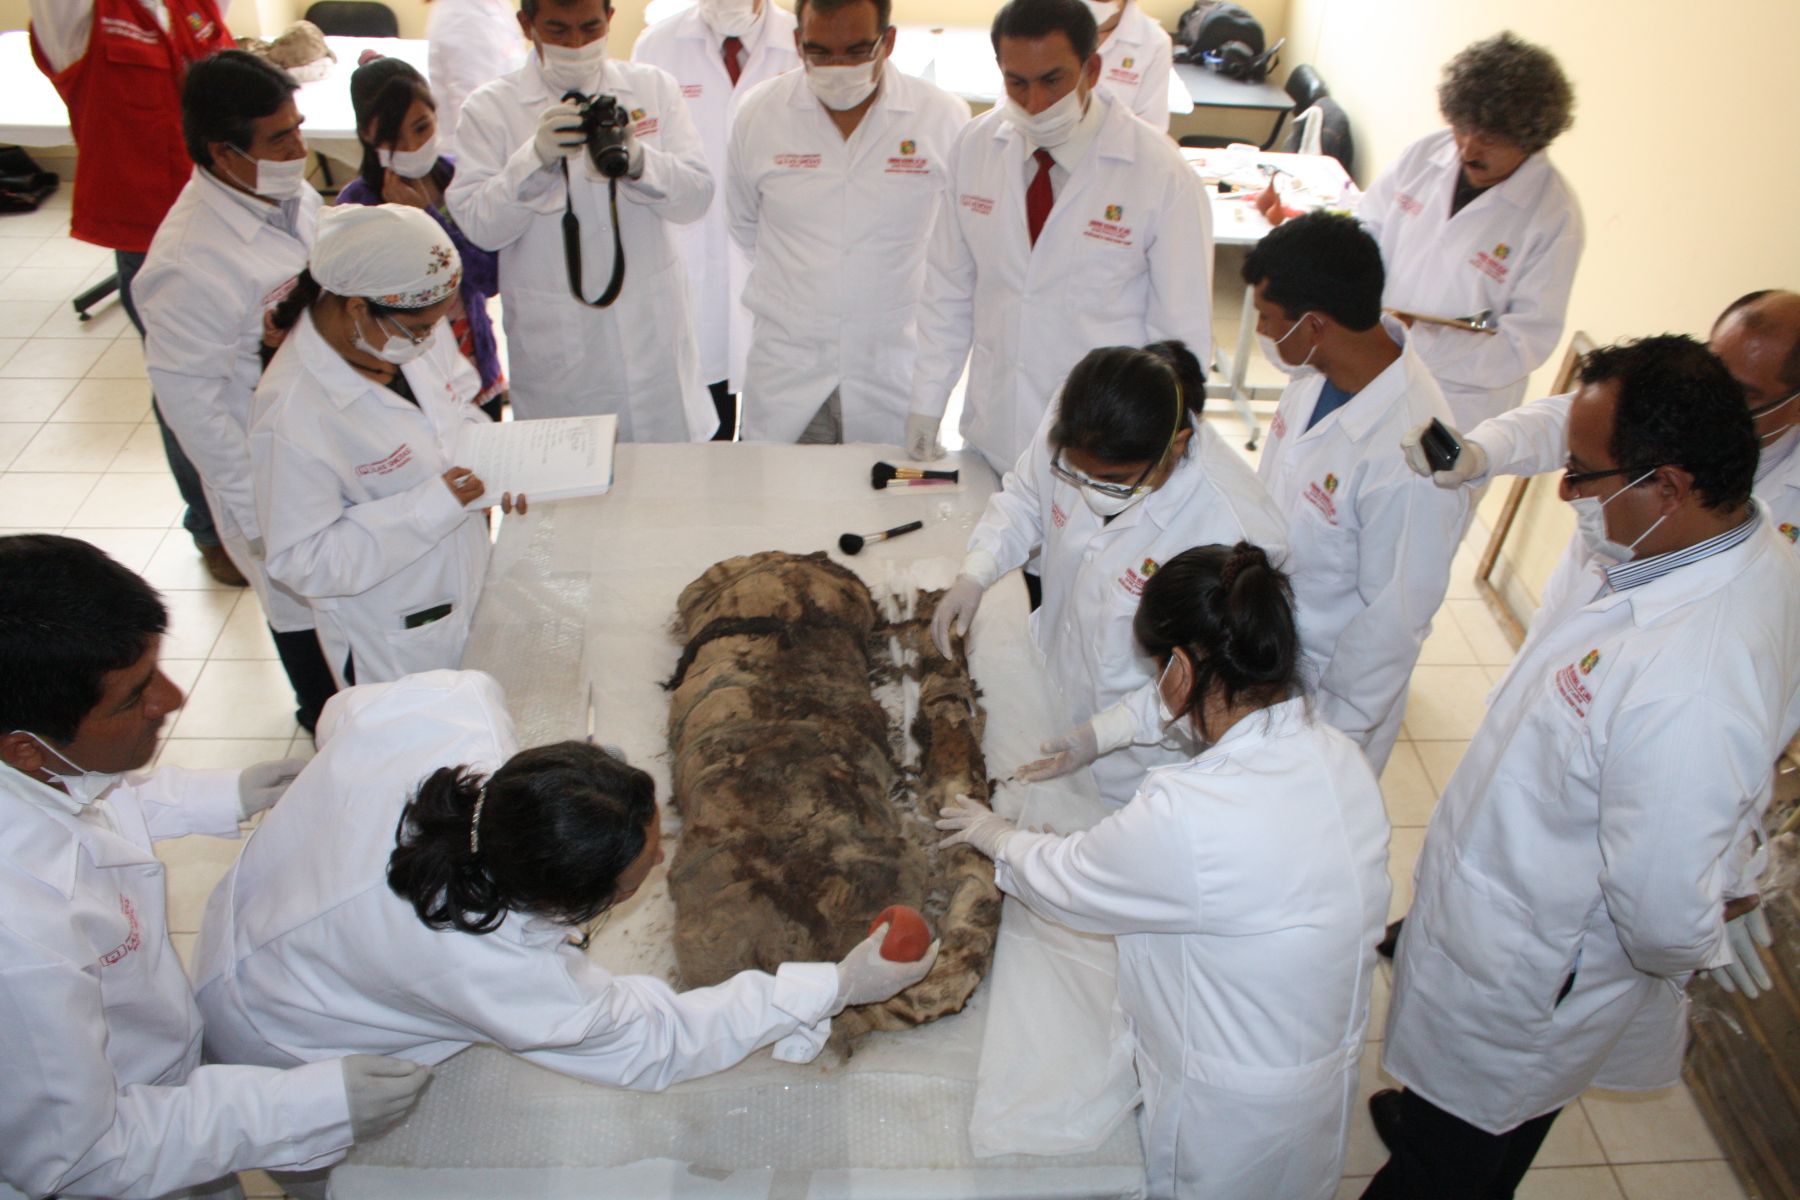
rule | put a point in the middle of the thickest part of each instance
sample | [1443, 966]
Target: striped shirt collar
[1640, 571]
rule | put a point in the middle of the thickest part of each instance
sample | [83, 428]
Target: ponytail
[1232, 613]
[300, 297]
[548, 834]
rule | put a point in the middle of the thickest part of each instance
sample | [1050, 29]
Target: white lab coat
[837, 230]
[1135, 61]
[1533, 439]
[686, 47]
[1370, 542]
[306, 953]
[354, 509]
[1512, 249]
[1124, 259]
[104, 1094]
[1094, 573]
[219, 262]
[1246, 890]
[1590, 829]
[472, 42]
[636, 358]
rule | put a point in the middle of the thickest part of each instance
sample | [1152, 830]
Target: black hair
[305, 293]
[1506, 87]
[884, 9]
[559, 824]
[1320, 262]
[1232, 612]
[1119, 404]
[1040, 18]
[1188, 372]
[530, 7]
[1679, 406]
[223, 97]
[69, 616]
[383, 90]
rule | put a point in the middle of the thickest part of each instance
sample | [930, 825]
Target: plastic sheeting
[974, 1105]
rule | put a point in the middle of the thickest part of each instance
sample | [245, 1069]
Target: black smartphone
[1440, 446]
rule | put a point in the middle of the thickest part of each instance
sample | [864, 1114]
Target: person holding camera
[597, 313]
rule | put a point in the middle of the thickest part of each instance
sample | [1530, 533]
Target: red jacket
[124, 100]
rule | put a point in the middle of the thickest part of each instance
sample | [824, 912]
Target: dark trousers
[1034, 590]
[1440, 1156]
[198, 520]
[307, 671]
[726, 402]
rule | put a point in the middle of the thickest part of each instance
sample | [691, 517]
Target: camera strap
[571, 230]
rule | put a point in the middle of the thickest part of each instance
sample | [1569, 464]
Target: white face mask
[411, 164]
[399, 349]
[729, 18]
[1052, 127]
[1273, 354]
[276, 180]
[84, 786]
[843, 88]
[1103, 10]
[1590, 521]
[1162, 702]
[1757, 414]
[573, 68]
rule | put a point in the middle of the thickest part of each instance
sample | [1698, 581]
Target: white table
[1307, 181]
[32, 114]
[582, 592]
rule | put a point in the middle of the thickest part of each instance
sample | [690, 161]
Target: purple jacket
[481, 279]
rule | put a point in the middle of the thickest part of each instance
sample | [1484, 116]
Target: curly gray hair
[1506, 87]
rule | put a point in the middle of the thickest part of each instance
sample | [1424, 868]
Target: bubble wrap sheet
[1033, 1104]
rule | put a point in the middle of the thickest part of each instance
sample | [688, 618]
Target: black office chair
[1306, 88]
[354, 18]
[1334, 135]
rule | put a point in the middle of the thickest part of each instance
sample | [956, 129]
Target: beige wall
[1672, 158]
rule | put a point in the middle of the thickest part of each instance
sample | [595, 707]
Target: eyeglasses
[402, 331]
[1577, 478]
[855, 56]
[1118, 491]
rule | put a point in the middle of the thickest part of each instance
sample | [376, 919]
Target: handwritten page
[545, 460]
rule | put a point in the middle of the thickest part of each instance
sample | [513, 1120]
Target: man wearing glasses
[1073, 225]
[835, 175]
[718, 51]
[1588, 855]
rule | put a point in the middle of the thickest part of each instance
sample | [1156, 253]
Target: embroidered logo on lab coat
[1114, 212]
[907, 147]
[1489, 264]
[1501, 251]
[981, 206]
[806, 162]
[1058, 517]
[1320, 498]
[1110, 230]
[908, 163]
[1278, 427]
[642, 124]
[1123, 73]
[401, 455]
[691, 91]
[132, 940]
[1589, 661]
[1134, 578]
[1790, 532]
[1408, 205]
[1128, 63]
[1569, 686]
[1331, 483]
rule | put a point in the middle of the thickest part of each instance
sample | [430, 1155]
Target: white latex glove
[955, 611]
[922, 437]
[260, 786]
[969, 822]
[1746, 972]
[1471, 465]
[634, 156]
[559, 133]
[1066, 752]
[864, 977]
[381, 1090]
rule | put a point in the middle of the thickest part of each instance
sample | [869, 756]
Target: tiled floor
[79, 454]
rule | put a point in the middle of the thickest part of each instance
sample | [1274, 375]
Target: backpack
[23, 184]
[1209, 24]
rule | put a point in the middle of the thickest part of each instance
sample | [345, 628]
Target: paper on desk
[551, 459]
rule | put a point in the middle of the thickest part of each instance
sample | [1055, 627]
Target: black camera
[606, 126]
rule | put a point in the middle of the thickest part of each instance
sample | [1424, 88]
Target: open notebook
[551, 459]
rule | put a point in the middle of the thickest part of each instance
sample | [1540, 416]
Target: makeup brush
[850, 543]
[884, 474]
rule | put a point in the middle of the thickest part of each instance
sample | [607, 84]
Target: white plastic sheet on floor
[1029, 1092]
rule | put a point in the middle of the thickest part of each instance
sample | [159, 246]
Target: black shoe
[1384, 1110]
[1385, 947]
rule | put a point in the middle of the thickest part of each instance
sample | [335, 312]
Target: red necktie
[1038, 196]
[733, 47]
